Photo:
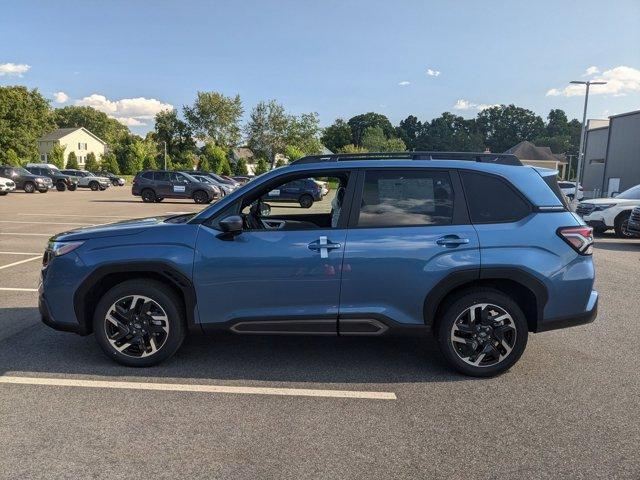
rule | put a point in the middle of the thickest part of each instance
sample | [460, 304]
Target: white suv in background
[6, 185]
[569, 189]
[606, 213]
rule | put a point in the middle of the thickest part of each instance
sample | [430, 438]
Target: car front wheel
[148, 196]
[139, 323]
[306, 201]
[200, 196]
[29, 187]
[60, 186]
[94, 186]
[482, 333]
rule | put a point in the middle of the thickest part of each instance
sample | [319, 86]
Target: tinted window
[492, 200]
[161, 176]
[392, 198]
[632, 194]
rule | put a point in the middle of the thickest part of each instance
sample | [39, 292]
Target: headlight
[599, 208]
[62, 248]
[39, 180]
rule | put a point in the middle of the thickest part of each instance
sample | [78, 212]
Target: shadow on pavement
[187, 201]
[37, 349]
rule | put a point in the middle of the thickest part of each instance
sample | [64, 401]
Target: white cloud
[129, 111]
[463, 104]
[13, 69]
[620, 81]
[60, 97]
[591, 71]
[404, 83]
[433, 73]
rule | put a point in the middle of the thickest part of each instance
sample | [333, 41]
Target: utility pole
[583, 133]
[165, 154]
[568, 174]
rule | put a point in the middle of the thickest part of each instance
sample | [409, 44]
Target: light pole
[165, 154]
[584, 130]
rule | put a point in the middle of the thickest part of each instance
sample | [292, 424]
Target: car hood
[5, 180]
[125, 227]
[617, 201]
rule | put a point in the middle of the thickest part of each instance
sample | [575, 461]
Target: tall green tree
[449, 132]
[99, 123]
[216, 157]
[303, 133]
[11, 158]
[72, 161]
[92, 164]
[337, 135]
[262, 166]
[110, 163]
[507, 125]
[57, 156]
[374, 140]
[240, 167]
[25, 115]
[267, 130]
[408, 131]
[216, 117]
[360, 123]
[175, 132]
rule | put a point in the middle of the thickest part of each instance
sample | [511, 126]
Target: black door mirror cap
[231, 225]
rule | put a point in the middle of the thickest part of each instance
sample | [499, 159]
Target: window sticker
[179, 188]
[274, 193]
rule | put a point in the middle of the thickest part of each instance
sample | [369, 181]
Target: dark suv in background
[156, 185]
[61, 181]
[25, 180]
[305, 191]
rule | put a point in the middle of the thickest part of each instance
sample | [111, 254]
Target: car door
[408, 232]
[272, 279]
[162, 184]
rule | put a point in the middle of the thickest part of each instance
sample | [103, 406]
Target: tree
[132, 157]
[72, 161]
[302, 133]
[99, 123]
[110, 163]
[558, 124]
[507, 125]
[293, 153]
[267, 129]
[216, 156]
[337, 135]
[261, 166]
[240, 168]
[204, 164]
[351, 148]
[176, 133]
[149, 163]
[91, 164]
[359, 123]
[449, 133]
[216, 117]
[25, 115]
[56, 155]
[408, 131]
[374, 140]
[11, 158]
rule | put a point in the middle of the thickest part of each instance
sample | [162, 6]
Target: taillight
[579, 238]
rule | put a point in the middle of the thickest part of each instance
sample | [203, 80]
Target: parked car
[203, 178]
[115, 180]
[25, 180]
[633, 227]
[6, 185]
[241, 179]
[610, 213]
[156, 185]
[225, 186]
[88, 180]
[61, 181]
[569, 189]
[400, 248]
[305, 191]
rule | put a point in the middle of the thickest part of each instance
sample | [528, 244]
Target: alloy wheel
[483, 335]
[136, 326]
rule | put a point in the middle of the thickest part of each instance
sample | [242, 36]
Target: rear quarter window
[492, 200]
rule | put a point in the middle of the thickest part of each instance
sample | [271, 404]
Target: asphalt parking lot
[568, 409]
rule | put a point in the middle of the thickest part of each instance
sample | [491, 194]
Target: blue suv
[474, 248]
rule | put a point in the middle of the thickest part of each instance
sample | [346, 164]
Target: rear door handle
[451, 241]
[323, 245]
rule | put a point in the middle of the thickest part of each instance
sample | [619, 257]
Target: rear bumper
[588, 316]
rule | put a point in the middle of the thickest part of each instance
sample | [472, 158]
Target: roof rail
[501, 158]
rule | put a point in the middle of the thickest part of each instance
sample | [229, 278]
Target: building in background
[612, 155]
[530, 154]
[78, 140]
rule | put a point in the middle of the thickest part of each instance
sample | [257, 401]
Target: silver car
[88, 179]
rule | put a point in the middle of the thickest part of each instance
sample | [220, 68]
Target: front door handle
[323, 245]
[451, 241]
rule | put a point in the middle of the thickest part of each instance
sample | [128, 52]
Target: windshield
[23, 171]
[220, 179]
[632, 194]
[191, 178]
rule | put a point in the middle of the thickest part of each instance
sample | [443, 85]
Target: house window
[85, 146]
[43, 157]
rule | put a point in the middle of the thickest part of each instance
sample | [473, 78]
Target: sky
[131, 59]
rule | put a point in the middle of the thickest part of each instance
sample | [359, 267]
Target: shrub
[72, 161]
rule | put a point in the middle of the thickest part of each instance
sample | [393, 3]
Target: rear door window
[406, 198]
[492, 200]
[161, 176]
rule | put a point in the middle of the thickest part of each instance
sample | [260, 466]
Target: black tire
[43, 190]
[599, 230]
[457, 306]
[200, 196]
[306, 201]
[620, 225]
[159, 199]
[148, 195]
[60, 186]
[73, 188]
[114, 183]
[2, 194]
[161, 295]
[29, 187]
[102, 189]
[94, 186]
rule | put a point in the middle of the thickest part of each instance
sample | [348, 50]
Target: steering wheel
[253, 217]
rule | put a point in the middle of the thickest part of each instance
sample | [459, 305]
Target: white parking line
[179, 387]
[19, 253]
[28, 234]
[70, 215]
[8, 289]
[21, 261]
[48, 223]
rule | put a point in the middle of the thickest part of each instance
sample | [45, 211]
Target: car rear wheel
[139, 323]
[482, 333]
[94, 186]
[72, 188]
[200, 196]
[60, 186]
[148, 196]
[622, 221]
[29, 187]
[306, 201]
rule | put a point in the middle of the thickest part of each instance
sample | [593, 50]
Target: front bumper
[7, 188]
[588, 316]
[48, 320]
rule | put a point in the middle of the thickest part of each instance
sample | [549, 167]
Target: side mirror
[265, 209]
[232, 224]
